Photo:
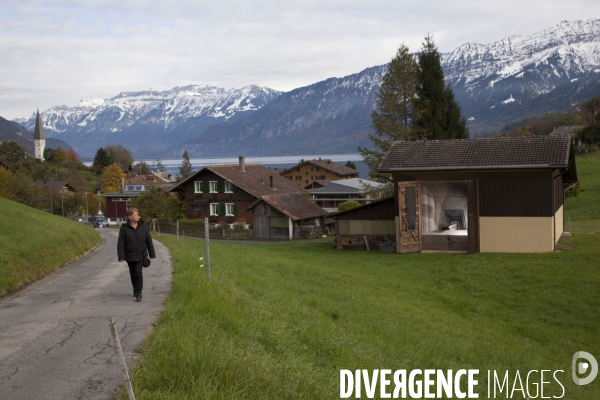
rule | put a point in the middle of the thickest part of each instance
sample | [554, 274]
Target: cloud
[59, 52]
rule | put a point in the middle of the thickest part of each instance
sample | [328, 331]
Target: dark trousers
[135, 271]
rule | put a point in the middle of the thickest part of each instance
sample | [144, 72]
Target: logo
[582, 367]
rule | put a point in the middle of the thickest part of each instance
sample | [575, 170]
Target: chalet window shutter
[233, 188]
[234, 207]
[221, 209]
[204, 187]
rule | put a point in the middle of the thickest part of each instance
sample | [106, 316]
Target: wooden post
[121, 357]
[207, 248]
[177, 230]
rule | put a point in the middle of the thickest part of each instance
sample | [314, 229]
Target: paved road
[55, 340]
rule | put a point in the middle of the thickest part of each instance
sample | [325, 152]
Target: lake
[172, 164]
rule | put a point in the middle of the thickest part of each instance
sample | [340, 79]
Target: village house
[287, 216]
[223, 193]
[58, 187]
[117, 203]
[153, 177]
[313, 170]
[471, 195]
[330, 194]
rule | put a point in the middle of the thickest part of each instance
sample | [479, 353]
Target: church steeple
[39, 137]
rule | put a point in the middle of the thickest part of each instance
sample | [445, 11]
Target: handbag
[146, 262]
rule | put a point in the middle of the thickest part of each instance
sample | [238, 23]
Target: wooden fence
[197, 231]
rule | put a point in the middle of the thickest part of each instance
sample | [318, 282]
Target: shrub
[348, 205]
[240, 225]
[198, 222]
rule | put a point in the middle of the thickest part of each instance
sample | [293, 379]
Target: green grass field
[34, 243]
[279, 321]
[585, 210]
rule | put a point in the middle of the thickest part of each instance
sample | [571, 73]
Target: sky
[59, 52]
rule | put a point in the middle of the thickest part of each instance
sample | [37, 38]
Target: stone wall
[310, 231]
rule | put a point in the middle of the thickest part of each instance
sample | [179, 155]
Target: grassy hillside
[585, 210]
[33, 243]
[279, 321]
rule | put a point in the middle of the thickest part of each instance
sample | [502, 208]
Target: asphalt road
[55, 340]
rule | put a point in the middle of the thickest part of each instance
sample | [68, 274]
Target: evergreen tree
[49, 155]
[350, 164]
[141, 168]
[158, 166]
[185, 169]
[395, 114]
[439, 113]
[101, 160]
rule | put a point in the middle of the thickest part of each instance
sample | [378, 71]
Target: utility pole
[51, 206]
[207, 247]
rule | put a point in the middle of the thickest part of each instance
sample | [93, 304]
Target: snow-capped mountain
[495, 84]
[149, 119]
[550, 70]
[328, 116]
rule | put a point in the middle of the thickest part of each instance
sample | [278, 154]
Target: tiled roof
[329, 165]
[254, 180]
[294, 205]
[320, 183]
[500, 153]
[140, 179]
[567, 129]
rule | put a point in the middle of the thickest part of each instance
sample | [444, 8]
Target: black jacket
[133, 243]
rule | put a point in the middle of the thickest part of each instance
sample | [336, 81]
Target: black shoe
[138, 296]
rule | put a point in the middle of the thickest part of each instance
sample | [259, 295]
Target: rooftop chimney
[242, 167]
[271, 181]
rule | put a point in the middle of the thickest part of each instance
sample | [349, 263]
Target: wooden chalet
[315, 170]
[223, 193]
[480, 195]
[58, 187]
[287, 216]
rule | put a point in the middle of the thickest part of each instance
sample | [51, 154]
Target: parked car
[100, 222]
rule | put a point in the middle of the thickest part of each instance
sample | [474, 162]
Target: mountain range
[10, 130]
[496, 83]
